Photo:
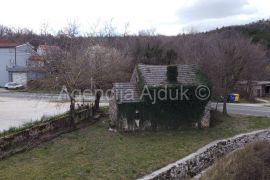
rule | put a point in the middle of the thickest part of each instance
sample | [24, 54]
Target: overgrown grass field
[96, 153]
[251, 162]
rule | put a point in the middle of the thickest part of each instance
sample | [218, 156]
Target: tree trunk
[97, 100]
[216, 106]
[225, 104]
[72, 113]
[250, 91]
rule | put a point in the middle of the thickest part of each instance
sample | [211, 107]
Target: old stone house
[136, 105]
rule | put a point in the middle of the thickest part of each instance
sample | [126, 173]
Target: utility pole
[15, 56]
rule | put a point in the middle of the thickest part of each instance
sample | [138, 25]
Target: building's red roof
[7, 43]
[37, 58]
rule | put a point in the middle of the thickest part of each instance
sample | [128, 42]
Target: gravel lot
[17, 108]
[17, 111]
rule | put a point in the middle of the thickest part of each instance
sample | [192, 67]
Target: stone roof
[156, 75]
[153, 75]
[126, 93]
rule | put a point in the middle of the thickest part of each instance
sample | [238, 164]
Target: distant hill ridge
[259, 31]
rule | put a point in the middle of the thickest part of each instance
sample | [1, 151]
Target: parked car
[13, 85]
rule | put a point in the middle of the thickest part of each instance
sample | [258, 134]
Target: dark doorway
[267, 90]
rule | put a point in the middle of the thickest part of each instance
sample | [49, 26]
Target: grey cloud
[214, 9]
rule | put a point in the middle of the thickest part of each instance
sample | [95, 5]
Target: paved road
[247, 109]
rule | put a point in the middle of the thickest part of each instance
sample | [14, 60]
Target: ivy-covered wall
[170, 113]
[163, 114]
[174, 109]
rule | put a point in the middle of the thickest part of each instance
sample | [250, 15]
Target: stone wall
[31, 137]
[123, 117]
[193, 164]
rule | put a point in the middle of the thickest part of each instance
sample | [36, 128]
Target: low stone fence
[29, 138]
[195, 163]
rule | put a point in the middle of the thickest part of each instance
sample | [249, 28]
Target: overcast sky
[168, 17]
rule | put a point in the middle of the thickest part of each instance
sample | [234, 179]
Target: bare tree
[67, 70]
[72, 29]
[233, 58]
[106, 66]
[126, 30]
[147, 32]
[44, 28]
[108, 30]
[225, 57]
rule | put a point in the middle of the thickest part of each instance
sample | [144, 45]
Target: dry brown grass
[249, 163]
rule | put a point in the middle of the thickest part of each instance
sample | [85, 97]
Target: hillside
[259, 31]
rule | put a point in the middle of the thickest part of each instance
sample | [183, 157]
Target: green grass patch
[96, 153]
[104, 109]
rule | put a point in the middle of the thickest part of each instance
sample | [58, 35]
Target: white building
[7, 58]
[14, 60]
